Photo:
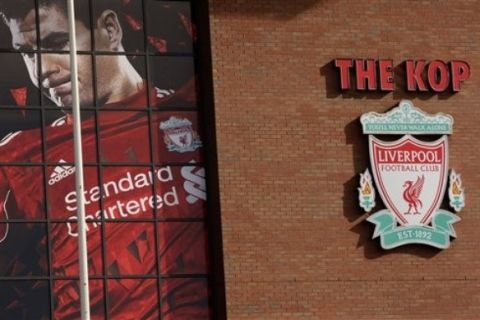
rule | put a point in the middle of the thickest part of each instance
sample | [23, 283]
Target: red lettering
[344, 65]
[414, 75]
[460, 72]
[386, 75]
[365, 73]
[438, 76]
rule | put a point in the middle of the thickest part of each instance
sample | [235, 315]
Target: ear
[110, 30]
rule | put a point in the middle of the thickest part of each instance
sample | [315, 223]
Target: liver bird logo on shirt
[412, 193]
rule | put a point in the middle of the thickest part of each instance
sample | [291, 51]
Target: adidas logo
[60, 172]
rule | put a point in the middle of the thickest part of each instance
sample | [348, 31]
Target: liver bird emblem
[183, 140]
[412, 193]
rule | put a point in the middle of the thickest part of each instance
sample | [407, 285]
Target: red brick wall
[296, 244]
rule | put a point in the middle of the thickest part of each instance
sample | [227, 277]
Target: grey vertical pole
[77, 142]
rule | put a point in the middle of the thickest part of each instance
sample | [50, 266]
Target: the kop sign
[372, 75]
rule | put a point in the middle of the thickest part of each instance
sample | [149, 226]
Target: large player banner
[145, 189]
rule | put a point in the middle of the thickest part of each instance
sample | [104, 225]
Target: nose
[50, 70]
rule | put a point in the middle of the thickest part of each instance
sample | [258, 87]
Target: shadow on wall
[355, 215]
[278, 9]
[332, 85]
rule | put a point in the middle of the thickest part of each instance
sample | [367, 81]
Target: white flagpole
[77, 142]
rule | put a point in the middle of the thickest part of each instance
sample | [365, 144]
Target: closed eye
[56, 41]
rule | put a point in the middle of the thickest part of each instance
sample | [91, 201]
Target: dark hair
[20, 8]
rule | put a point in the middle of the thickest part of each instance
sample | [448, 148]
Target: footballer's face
[53, 74]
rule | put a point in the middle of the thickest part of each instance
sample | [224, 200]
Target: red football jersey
[130, 189]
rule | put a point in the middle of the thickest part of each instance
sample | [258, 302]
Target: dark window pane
[21, 40]
[183, 192]
[62, 198]
[56, 117]
[126, 27]
[15, 119]
[21, 136]
[124, 137]
[174, 79]
[176, 137]
[56, 85]
[16, 86]
[127, 192]
[54, 27]
[64, 248]
[183, 248]
[133, 299]
[185, 299]
[170, 28]
[130, 248]
[25, 299]
[120, 82]
[23, 250]
[66, 299]
[22, 189]
[59, 137]
[24, 94]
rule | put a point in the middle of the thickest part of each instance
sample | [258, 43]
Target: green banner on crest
[392, 236]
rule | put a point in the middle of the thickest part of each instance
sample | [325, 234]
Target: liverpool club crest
[411, 177]
[179, 135]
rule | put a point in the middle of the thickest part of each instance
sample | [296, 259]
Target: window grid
[100, 165]
[152, 167]
[45, 189]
